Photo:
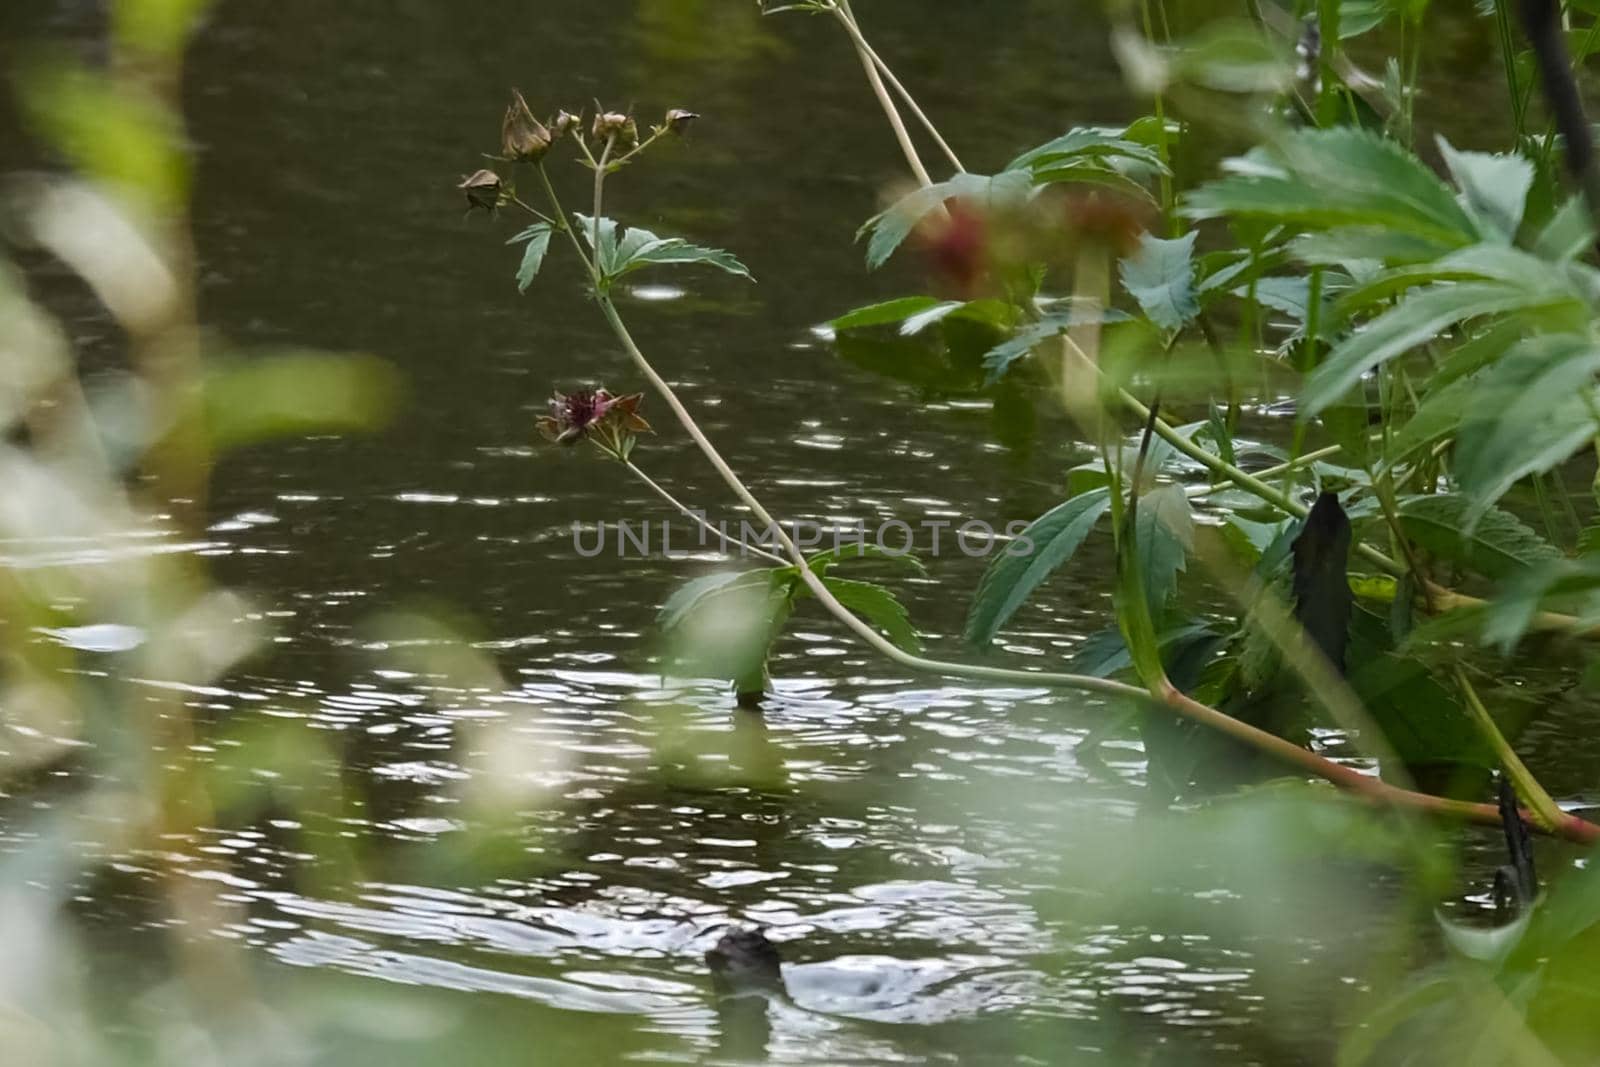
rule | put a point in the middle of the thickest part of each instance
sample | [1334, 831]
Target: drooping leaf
[999, 359]
[890, 311]
[537, 237]
[889, 229]
[862, 550]
[698, 592]
[1165, 538]
[878, 606]
[1342, 176]
[1497, 546]
[1418, 319]
[1568, 234]
[1018, 569]
[1529, 412]
[1160, 275]
[1132, 603]
[1571, 586]
[1495, 187]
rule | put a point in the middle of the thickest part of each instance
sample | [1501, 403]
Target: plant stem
[1296, 464]
[699, 519]
[905, 94]
[1546, 812]
[841, 11]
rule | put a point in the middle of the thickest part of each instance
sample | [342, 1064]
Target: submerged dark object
[1322, 597]
[744, 961]
[1542, 22]
[1515, 883]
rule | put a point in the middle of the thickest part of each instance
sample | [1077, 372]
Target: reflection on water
[936, 860]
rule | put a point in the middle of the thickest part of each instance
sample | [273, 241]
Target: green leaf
[1529, 412]
[1568, 234]
[1495, 187]
[639, 248]
[1165, 539]
[1420, 318]
[696, 594]
[538, 238]
[1343, 176]
[819, 562]
[1160, 275]
[1499, 545]
[999, 359]
[890, 311]
[1233, 56]
[1018, 570]
[1574, 585]
[1132, 603]
[1096, 144]
[878, 606]
[889, 229]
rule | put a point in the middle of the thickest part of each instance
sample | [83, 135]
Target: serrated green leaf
[1530, 411]
[878, 606]
[675, 250]
[888, 230]
[1555, 584]
[862, 550]
[999, 359]
[1495, 187]
[1165, 539]
[1498, 546]
[537, 237]
[1421, 317]
[1160, 275]
[1342, 176]
[695, 594]
[1013, 575]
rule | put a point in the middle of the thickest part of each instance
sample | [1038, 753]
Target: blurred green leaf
[1495, 186]
[1496, 546]
[255, 398]
[1530, 411]
[1165, 539]
[1160, 275]
[1013, 575]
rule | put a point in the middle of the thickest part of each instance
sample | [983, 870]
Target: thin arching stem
[699, 519]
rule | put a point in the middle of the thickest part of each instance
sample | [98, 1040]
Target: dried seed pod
[523, 137]
[483, 190]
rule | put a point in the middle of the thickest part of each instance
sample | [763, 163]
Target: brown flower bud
[482, 190]
[678, 120]
[523, 137]
[564, 123]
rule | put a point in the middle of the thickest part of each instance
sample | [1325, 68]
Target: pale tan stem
[905, 94]
[885, 101]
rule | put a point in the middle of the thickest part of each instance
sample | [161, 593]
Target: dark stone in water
[744, 961]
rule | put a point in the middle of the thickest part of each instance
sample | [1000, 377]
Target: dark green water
[932, 855]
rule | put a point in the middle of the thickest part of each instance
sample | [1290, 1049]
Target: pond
[949, 877]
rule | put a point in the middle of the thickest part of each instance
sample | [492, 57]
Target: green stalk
[1546, 812]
